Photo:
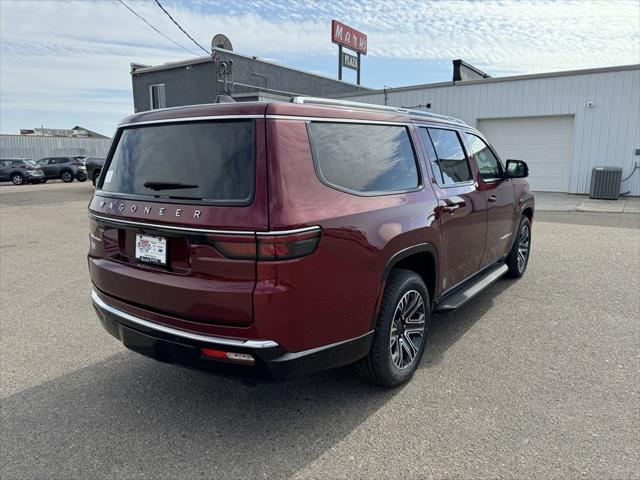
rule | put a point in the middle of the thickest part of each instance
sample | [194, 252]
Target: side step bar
[469, 289]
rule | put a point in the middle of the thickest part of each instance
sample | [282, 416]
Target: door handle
[492, 198]
[450, 209]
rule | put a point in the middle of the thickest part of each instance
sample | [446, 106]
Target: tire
[96, 175]
[518, 258]
[66, 176]
[82, 179]
[43, 181]
[395, 353]
[17, 179]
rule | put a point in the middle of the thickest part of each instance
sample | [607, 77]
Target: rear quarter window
[364, 159]
[212, 162]
[451, 158]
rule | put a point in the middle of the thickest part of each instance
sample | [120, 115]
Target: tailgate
[189, 278]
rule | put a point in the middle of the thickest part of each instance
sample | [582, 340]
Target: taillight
[95, 237]
[285, 247]
[242, 247]
[29, 167]
[268, 246]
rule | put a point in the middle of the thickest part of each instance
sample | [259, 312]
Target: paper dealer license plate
[151, 249]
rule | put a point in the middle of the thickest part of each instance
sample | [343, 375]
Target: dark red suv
[277, 239]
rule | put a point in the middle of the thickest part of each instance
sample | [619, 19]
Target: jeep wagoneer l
[270, 240]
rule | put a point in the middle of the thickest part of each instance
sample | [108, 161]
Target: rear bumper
[272, 362]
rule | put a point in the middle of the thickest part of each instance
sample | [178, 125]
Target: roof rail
[374, 107]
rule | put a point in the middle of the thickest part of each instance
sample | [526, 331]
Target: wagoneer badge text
[162, 211]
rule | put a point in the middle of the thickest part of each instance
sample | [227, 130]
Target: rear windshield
[203, 161]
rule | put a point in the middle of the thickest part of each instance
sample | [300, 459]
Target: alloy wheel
[524, 245]
[17, 180]
[407, 329]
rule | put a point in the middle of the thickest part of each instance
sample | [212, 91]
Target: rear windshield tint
[208, 161]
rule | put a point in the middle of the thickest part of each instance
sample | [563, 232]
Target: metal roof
[564, 73]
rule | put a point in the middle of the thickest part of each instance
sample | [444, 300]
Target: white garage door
[543, 142]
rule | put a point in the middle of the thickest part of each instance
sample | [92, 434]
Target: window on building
[157, 96]
[488, 165]
[453, 163]
[365, 159]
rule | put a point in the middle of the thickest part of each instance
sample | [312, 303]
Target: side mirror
[517, 169]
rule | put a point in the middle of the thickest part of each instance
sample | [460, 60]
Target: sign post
[345, 36]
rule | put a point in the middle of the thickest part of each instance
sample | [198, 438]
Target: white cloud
[69, 57]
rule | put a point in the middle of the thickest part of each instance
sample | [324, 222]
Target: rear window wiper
[168, 185]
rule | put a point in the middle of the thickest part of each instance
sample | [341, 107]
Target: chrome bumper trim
[180, 333]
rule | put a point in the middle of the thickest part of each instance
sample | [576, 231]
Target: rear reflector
[268, 247]
[233, 357]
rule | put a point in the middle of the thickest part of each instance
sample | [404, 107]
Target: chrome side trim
[190, 119]
[202, 230]
[180, 333]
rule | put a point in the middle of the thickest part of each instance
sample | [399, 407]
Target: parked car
[19, 171]
[274, 240]
[94, 167]
[64, 168]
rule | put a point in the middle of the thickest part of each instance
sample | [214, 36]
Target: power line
[165, 36]
[183, 30]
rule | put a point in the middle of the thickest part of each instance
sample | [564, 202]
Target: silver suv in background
[20, 171]
[64, 168]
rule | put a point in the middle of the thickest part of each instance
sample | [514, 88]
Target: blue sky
[66, 63]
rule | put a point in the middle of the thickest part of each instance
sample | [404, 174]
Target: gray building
[39, 146]
[563, 124]
[201, 80]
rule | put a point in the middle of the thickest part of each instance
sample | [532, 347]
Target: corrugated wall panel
[606, 134]
[35, 147]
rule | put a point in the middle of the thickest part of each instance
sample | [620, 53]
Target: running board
[470, 288]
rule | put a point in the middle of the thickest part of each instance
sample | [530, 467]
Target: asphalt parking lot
[537, 378]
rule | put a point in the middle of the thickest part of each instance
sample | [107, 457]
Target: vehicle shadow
[131, 417]
[447, 328]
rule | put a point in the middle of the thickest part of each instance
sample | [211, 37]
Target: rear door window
[213, 162]
[452, 161]
[364, 159]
